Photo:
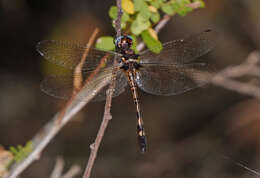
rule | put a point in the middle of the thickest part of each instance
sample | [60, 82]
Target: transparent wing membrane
[69, 55]
[172, 79]
[170, 72]
[61, 86]
[182, 51]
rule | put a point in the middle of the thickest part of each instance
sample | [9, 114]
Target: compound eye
[118, 41]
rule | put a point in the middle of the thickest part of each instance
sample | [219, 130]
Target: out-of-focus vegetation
[21, 152]
[187, 134]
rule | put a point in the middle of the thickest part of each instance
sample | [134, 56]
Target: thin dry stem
[58, 169]
[78, 70]
[77, 82]
[228, 77]
[107, 114]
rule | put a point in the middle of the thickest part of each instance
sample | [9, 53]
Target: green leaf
[20, 153]
[123, 25]
[161, 1]
[145, 13]
[168, 9]
[105, 43]
[180, 6]
[112, 12]
[125, 17]
[138, 4]
[155, 17]
[153, 44]
[140, 24]
[155, 4]
[13, 150]
[113, 15]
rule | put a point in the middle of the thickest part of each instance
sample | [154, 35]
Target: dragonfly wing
[58, 86]
[172, 79]
[69, 55]
[61, 86]
[120, 85]
[183, 50]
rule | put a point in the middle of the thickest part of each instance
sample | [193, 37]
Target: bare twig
[194, 5]
[226, 78]
[78, 70]
[72, 172]
[107, 114]
[58, 169]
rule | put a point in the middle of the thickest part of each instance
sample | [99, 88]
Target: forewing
[61, 86]
[69, 55]
[182, 51]
[172, 79]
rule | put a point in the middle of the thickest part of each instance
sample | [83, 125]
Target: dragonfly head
[124, 42]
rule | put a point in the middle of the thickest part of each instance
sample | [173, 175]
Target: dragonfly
[173, 71]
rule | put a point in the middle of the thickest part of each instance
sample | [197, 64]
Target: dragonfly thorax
[129, 64]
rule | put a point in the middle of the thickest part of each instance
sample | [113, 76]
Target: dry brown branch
[227, 77]
[43, 137]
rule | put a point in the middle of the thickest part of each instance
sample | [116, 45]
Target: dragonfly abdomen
[140, 126]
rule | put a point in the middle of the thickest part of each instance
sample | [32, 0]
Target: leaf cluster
[21, 152]
[139, 16]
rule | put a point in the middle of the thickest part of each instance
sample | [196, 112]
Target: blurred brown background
[189, 135]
